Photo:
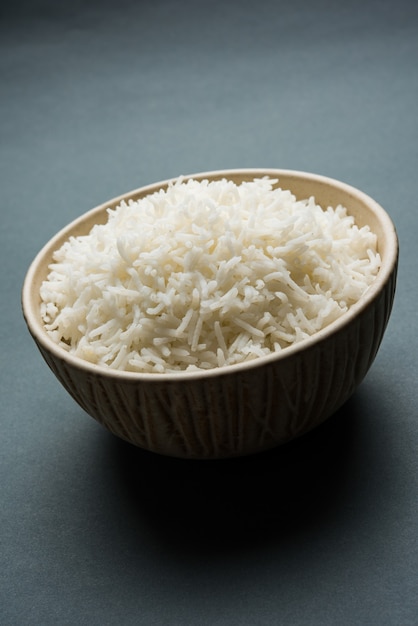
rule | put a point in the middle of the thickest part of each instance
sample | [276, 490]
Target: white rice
[203, 275]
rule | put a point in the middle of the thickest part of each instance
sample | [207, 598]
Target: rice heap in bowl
[205, 274]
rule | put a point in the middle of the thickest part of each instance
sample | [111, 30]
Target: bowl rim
[389, 263]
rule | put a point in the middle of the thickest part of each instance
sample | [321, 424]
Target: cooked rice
[203, 275]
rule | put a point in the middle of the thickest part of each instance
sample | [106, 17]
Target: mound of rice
[203, 275]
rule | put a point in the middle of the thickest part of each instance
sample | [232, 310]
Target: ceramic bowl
[245, 408]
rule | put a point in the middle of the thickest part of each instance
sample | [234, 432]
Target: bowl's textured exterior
[245, 408]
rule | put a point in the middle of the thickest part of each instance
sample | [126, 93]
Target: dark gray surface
[97, 99]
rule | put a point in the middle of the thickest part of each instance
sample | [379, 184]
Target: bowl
[245, 408]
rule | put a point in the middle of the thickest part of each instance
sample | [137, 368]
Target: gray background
[100, 98]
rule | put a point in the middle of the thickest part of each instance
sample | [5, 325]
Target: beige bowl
[243, 408]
